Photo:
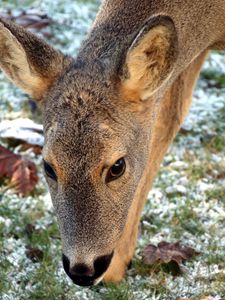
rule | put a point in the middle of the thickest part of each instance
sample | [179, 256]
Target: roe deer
[109, 116]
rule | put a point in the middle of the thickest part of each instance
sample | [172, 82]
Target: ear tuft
[150, 59]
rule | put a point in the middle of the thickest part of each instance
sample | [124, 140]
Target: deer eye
[116, 171]
[49, 171]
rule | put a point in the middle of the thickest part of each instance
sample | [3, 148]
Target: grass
[217, 193]
[186, 203]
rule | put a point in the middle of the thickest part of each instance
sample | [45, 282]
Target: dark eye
[49, 171]
[117, 170]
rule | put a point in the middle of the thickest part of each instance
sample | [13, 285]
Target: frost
[22, 129]
[176, 189]
[204, 186]
[6, 221]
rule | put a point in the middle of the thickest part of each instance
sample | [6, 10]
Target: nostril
[101, 264]
[81, 270]
[83, 274]
[66, 263]
[77, 269]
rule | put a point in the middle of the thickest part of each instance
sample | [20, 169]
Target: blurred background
[186, 203]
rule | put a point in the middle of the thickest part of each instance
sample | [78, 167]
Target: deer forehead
[78, 152]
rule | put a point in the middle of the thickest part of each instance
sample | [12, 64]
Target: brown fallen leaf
[19, 170]
[166, 252]
[37, 150]
[31, 19]
[29, 230]
[34, 254]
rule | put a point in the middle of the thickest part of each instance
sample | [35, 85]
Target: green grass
[217, 193]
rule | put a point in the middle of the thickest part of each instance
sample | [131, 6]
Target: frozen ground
[187, 201]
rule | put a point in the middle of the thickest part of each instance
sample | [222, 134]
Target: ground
[186, 203]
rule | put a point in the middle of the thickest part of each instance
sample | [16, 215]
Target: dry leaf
[167, 252]
[29, 230]
[21, 171]
[31, 19]
[37, 150]
[7, 161]
[34, 254]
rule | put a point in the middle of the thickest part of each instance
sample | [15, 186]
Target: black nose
[83, 275]
[81, 270]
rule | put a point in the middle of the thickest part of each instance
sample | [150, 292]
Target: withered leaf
[166, 252]
[34, 254]
[21, 172]
[31, 19]
[37, 150]
[29, 230]
[7, 161]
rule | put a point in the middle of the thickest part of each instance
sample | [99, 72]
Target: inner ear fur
[28, 61]
[150, 58]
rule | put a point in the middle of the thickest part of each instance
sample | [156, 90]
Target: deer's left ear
[150, 58]
[28, 61]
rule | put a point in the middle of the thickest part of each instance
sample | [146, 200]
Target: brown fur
[125, 95]
[28, 61]
[171, 114]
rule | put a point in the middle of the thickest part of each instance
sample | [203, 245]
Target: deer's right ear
[150, 58]
[28, 61]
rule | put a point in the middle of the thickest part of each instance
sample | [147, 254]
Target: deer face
[93, 165]
[97, 126]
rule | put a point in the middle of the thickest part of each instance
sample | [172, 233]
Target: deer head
[97, 113]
